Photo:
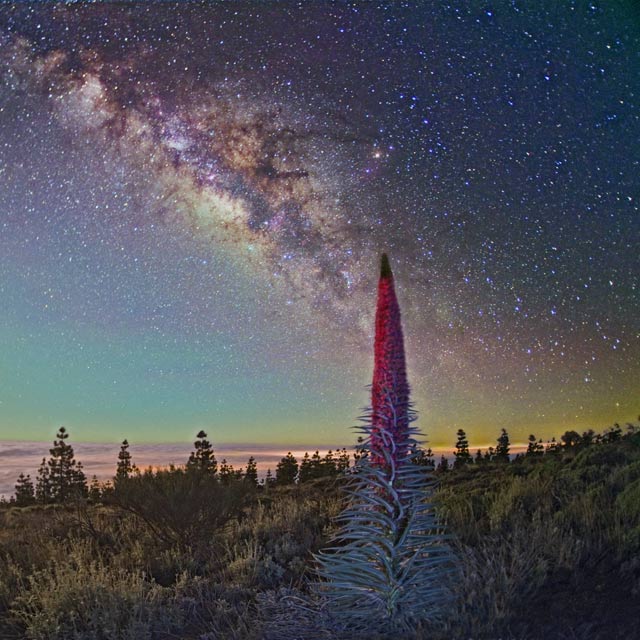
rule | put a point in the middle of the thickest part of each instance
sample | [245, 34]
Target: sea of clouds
[100, 459]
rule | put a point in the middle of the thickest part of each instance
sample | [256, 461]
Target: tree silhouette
[65, 476]
[570, 439]
[443, 465]
[502, 450]
[124, 468]
[423, 458]
[462, 450]
[329, 466]
[226, 471]
[534, 447]
[251, 474]
[25, 493]
[305, 471]
[95, 491]
[287, 470]
[343, 461]
[43, 484]
[269, 480]
[203, 458]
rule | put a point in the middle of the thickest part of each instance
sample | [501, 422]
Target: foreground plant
[388, 566]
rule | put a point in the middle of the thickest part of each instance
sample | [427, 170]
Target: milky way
[195, 197]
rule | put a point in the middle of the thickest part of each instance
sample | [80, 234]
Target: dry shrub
[79, 597]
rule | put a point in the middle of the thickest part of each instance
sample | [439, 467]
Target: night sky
[194, 198]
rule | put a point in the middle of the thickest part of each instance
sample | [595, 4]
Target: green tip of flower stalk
[385, 267]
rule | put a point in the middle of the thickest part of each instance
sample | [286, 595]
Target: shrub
[182, 506]
[78, 597]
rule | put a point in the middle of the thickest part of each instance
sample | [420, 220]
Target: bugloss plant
[387, 568]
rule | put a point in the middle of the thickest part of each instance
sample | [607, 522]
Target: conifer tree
[386, 570]
[479, 458]
[429, 458]
[226, 471]
[570, 439]
[251, 474]
[342, 463]
[287, 470]
[502, 450]
[552, 446]
[423, 457]
[316, 466]
[461, 453]
[66, 477]
[25, 493]
[443, 465]
[305, 472]
[612, 434]
[534, 447]
[588, 437]
[203, 458]
[125, 467]
[95, 492]
[269, 480]
[43, 484]
[329, 467]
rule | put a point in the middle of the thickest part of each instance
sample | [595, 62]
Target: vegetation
[544, 544]
[548, 547]
[387, 568]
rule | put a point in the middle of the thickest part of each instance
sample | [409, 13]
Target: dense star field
[194, 198]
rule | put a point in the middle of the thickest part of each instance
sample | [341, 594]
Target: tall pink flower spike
[390, 388]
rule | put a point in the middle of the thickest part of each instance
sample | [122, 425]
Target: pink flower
[390, 388]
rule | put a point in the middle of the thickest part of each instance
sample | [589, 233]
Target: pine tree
[502, 450]
[269, 480]
[316, 465]
[95, 493]
[66, 477]
[251, 474]
[360, 453]
[124, 468]
[43, 484]
[534, 447]
[612, 434]
[443, 465]
[329, 467]
[570, 439]
[589, 435]
[80, 488]
[342, 463]
[305, 472]
[287, 470]
[479, 458]
[552, 446]
[225, 473]
[386, 569]
[462, 450]
[422, 457]
[25, 493]
[203, 458]
[429, 457]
